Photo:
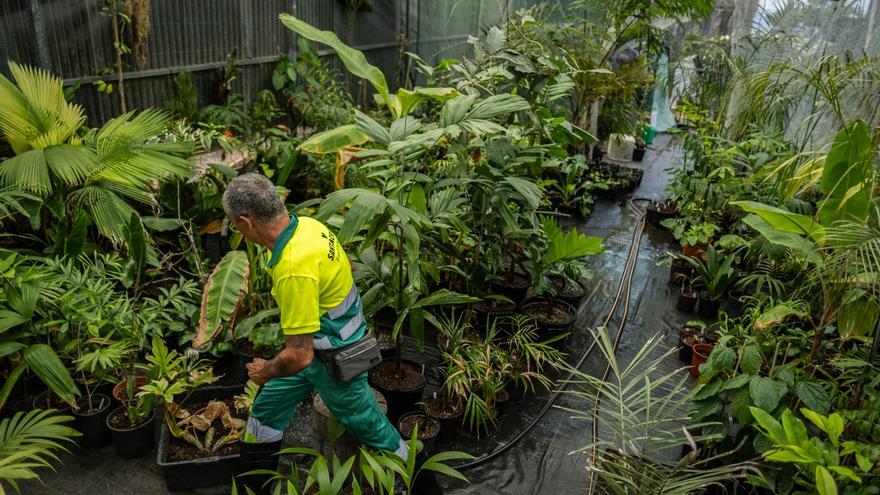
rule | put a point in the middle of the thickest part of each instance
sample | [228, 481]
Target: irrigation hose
[595, 429]
[625, 282]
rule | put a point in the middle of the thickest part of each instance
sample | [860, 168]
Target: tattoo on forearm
[299, 341]
[276, 367]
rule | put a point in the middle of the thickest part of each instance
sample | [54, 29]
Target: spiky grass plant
[641, 410]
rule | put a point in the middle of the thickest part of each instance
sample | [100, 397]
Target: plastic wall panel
[73, 38]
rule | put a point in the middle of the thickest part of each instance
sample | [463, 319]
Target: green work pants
[352, 402]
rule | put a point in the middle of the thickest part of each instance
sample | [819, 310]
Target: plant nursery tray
[204, 471]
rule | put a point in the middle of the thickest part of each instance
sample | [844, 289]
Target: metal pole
[40, 35]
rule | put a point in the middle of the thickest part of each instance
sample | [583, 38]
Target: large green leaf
[801, 247]
[497, 105]
[825, 483]
[222, 295]
[406, 101]
[366, 206]
[777, 314]
[43, 361]
[35, 114]
[847, 176]
[571, 245]
[354, 60]
[814, 396]
[785, 221]
[766, 392]
[334, 140]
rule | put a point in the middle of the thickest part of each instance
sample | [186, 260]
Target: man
[320, 310]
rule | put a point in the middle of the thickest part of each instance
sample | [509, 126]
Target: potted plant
[639, 150]
[428, 429]
[701, 352]
[659, 210]
[131, 427]
[556, 250]
[715, 275]
[202, 424]
[694, 236]
[691, 333]
[687, 297]
[257, 338]
[531, 359]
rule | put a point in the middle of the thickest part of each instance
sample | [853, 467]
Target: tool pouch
[350, 361]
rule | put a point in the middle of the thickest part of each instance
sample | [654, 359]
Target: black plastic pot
[387, 348]
[686, 348]
[245, 357]
[735, 303]
[514, 288]
[204, 471]
[449, 423]
[657, 211]
[708, 308]
[547, 328]
[257, 456]
[216, 245]
[48, 400]
[489, 310]
[399, 401]
[687, 301]
[502, 403]
[571, 298]
[638, 154]
[516, 392]
[686, 345]
[680, 271]
[429, 443]
[92, 421]
[134, 442]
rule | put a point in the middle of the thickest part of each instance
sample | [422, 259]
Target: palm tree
[95, 170]
[27, 442]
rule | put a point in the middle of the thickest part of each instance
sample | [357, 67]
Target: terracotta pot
[700, 355]
[120, 391]
[697, 250]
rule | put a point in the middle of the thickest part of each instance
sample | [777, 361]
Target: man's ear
[245, 221]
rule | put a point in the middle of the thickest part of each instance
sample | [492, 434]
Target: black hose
[625, 281]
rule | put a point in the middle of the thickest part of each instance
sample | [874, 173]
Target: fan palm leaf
[29, 441]
[119, 162]
[40, 125]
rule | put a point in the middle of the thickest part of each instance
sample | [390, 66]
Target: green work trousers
[352, 402]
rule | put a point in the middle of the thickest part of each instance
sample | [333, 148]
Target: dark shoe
[257, 456]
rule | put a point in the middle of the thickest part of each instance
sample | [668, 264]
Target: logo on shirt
[331, 240]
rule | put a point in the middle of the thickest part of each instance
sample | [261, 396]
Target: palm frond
[642, 417]
[28, 441]
[35, 114]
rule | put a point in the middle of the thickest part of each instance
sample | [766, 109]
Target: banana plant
[844, 226]
[401, 104]
[222, 296]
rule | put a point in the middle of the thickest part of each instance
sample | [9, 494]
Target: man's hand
[296, 356]
[257, 371]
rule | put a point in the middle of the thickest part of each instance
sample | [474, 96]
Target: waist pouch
[351, 360]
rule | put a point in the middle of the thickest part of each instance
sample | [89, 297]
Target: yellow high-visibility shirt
[313, 285]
